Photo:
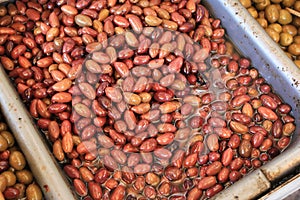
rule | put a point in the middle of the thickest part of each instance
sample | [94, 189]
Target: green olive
[297, 5]
[9, 138]
[297, 39]
[24, 176]
[3, 143]
[17, 160]
[288, 3]
[285, 39]
[290, 29]
[10, 177]
[262, 5]
[276, 27]
[3, 182]
[253, 12]
[297, 63]
[285, 17]
[246, 3]
[272, 13]
[273, 34]
[294, 49]
[33, 192]
[263, 22]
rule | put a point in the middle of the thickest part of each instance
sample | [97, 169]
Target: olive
[258, 1]
[262, 5]
[285, 39]
[297, 39]
[33, 192]
[3, 143]
[3, 126]
[288, 3]
[297, 63]
[276, 1]
[24, 176]
[294, 49]
[246, 3]
[21, 187]
[272, 13]
[261, 14]
[276, 27]
[9, 138]
[3, 182]
[292, 30]
[10, 177]
[253, 12]
[297, 5]
[273, 34]
[17, 160]
[263, 22]
[285, 17]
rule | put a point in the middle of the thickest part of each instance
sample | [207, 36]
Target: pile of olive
[283, 27]
[16, 179]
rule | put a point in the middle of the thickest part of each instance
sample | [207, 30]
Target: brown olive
[285, 39]
[17, 160]
[263, 22]
[24, 176]
[261, 14]
[3, 143]
[10, 177]
[288, 3]
[253, 12]
[276, 27]
[296, 21]
[246, 3]
[272, 13]
[297, 5]
[294, 49]
[285, 17]
[21, 187]
[3, 182]
[262, 5]
[289, 55]
[276, 1]
[258, 1]
[297, 63]
[273, 34]
[9, 138]
[33, 192]
[3, 126]
[297, 39]
[292, 30]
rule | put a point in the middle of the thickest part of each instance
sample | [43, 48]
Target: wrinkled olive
[17, 160]
[292, 30]
[272, 13]
[246, 3]
[263, 22]
[276, 27]
[3, 143]
[10, 177]
[253, 12]
[294, 49]
[33, 192]
[285, 39]
[3, 182]
[9, 138]
[262, 5]
[24, 176]
[273, 34]
[285, 17]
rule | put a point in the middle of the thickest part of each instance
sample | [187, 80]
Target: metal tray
[251, 40]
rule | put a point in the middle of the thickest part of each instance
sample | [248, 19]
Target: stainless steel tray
[251, 40]
[272, 63]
